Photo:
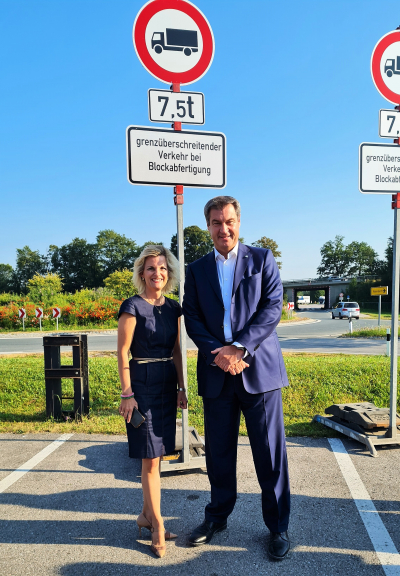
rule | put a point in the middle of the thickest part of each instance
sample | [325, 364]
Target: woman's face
[155, 272]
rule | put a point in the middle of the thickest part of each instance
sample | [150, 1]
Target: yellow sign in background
[379, 291]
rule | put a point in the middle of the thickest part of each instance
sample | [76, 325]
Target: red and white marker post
[57, 314]
[39, 314]
[22, 314]
[175, 43]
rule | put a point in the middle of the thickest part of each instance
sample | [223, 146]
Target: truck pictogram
[390, 68]
[179, 40]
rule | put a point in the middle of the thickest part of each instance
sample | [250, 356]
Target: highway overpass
[331, 287]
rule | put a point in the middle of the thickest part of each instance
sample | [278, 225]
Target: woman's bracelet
[126, 396]
[181, 389]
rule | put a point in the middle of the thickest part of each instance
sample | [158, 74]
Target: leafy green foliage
[6, 277]
[120, 282]
[197, 243]
[270, 244]
[29, 263]
[115, 252]
[44, 288]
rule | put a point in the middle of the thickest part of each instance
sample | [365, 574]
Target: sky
[289, 86]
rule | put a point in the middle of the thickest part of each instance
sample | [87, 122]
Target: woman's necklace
[154, 303]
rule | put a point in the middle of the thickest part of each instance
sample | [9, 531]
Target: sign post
[174, 42]
[22, 314]
[379, 291]
[39, 314]
[57, 314]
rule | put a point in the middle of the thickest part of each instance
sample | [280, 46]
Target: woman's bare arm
[177, 355]
[126, 330]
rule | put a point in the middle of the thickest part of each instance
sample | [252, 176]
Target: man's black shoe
[279, 545]
[203, 533]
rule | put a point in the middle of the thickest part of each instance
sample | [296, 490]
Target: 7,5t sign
[167, 106]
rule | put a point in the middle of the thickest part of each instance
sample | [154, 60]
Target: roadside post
[350, 322]
[379, 291]
[175, 43]
[22, 314]
[379, 174]
[39, 314]
[387, 341]
[57, 314]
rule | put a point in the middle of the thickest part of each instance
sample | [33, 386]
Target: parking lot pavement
[73, 512]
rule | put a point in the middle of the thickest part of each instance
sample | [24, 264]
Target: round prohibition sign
[173, 40]
[385, 66]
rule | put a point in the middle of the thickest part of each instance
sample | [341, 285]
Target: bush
[44, 288]
[120, 282]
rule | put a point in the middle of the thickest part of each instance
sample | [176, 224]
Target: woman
[149, 327]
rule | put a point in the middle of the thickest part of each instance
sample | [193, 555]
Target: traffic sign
[38, 312]
[389, 123]
[379, 166]
[290, 305]
[21, 312]
[184, 107]
[162, 157]
[379, 291]
[173, 41]
[56, 312]
[341, 294]
[385, 66]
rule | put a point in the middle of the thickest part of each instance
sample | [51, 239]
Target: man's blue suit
[255, 312]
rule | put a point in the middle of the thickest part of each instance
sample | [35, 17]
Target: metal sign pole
[395, 319]
[379, 311]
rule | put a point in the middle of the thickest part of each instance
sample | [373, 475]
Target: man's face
[224, 228]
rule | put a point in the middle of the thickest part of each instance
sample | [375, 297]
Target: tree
[77, 263]
[6, 277]
[336, 258]
[269, 244]
[43, 288]
[115, 252]
[29, 263]
[149, 243]
[120, 282]
[363, 257]
[197, 243]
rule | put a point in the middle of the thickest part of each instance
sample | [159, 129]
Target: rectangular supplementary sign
[379, 166]
[379, 291]
[162, 157]
[167, 106]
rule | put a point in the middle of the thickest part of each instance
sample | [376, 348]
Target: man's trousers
[264, 421]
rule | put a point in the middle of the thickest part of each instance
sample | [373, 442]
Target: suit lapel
[210, 267]
[241, 265]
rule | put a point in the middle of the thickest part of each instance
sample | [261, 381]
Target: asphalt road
[74, 512]
[319, 336]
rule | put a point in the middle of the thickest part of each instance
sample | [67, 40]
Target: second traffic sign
[167, 106]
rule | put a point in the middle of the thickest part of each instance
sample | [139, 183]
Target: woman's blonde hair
[172, 266]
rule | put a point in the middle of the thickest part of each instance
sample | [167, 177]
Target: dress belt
[149, 360]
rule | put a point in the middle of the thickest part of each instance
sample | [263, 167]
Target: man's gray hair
[218, 203]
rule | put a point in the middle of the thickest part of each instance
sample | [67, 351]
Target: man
[232, 304]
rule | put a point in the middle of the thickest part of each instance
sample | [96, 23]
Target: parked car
[344, 309]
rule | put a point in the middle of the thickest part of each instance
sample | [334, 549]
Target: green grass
[373, 313]
[52, 327]
[366, 333]
[317, 381]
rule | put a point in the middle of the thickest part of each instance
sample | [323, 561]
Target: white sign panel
[379, 168]
[167, 106]
[389, 123]
[162, 157]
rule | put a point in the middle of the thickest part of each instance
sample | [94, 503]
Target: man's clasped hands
[230, 359]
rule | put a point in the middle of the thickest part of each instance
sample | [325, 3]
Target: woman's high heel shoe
[158, 549]
[142, 522]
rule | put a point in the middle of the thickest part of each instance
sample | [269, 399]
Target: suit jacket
[256, 308]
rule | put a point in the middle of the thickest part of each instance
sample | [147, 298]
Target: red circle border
[139, 29]
[376, 57]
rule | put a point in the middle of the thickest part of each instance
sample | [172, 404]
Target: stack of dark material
[363, 417]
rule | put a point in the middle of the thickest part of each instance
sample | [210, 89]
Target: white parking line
[380, 538]
[22, 470]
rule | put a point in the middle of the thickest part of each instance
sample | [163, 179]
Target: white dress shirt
[226, 272]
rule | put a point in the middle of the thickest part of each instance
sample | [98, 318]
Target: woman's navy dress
[154, 384]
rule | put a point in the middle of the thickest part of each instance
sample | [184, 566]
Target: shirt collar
[232, 254]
